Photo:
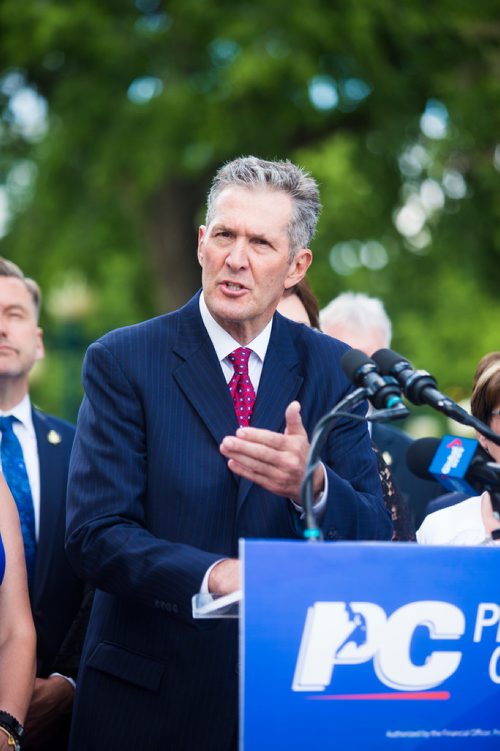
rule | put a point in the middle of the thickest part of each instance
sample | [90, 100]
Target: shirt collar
[22, 412]
[224, 343]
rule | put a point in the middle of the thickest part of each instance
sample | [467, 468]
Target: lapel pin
[54, 437]
[387, 457]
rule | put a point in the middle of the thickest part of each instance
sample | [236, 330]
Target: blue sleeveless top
[2, 559]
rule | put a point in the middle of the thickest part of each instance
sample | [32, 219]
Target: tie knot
[239, 358]
[6, 423]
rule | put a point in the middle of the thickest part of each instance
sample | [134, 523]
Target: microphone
[418, 385]
[458, 464]
[363, 372]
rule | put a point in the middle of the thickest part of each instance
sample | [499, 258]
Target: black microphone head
[387, 359]
[420, 455]
[351, 362]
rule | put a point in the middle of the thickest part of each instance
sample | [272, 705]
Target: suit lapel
[279, 385]
[47, 445]
[200, 378]
[199, 375]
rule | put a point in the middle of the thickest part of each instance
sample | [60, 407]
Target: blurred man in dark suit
[362, 322]
[194, 432]
[35, 450]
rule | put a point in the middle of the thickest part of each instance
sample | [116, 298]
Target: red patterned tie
[240, 386]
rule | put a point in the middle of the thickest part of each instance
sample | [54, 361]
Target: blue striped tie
[16, 476]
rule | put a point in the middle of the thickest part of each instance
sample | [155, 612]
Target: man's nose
[237, 256]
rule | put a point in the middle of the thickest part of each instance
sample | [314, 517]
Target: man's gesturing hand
[275, 461]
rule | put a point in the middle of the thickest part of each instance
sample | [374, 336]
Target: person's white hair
[357, 311]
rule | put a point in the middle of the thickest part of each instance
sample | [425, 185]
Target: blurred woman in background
[473, 521]
[299, 303]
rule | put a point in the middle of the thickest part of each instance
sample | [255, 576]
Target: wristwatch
[11, 741]
[12, 728]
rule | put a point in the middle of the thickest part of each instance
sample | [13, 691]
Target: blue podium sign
[369, 646]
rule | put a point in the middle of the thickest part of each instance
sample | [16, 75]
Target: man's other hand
[275, 461]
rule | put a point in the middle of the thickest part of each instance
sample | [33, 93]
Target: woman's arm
[17, 632]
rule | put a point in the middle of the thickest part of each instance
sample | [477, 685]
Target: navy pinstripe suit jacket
[151, 505]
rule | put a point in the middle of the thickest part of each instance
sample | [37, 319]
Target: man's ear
[40, 348]
[298, 267]
[201, 235]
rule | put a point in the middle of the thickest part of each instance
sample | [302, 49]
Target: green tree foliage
[392, 106]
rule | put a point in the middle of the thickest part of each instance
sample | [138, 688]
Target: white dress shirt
[224, 344]
[461, 524]
[25, 432]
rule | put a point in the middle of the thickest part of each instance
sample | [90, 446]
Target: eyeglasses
[495, 413]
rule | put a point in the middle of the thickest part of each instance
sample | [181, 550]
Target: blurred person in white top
[472, 521]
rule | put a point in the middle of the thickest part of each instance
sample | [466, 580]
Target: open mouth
[233, 287]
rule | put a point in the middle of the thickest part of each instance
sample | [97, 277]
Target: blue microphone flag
[451, 462]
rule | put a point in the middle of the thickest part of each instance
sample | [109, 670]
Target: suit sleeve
[107, 539]
[355, 507]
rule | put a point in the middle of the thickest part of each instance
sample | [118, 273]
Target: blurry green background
[115, 115]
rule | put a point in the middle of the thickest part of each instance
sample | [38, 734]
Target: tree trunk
[171, 237]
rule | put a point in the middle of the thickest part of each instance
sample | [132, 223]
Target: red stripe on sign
[418, 695]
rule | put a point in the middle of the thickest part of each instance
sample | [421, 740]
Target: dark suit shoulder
[51, 422]
[317, 354]
[309, 342]
[164, 327]
[127, 334]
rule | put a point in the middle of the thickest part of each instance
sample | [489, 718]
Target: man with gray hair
[362, 322]
[194, 432]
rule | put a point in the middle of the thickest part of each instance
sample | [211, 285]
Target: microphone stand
[485, 430]
[414, 389]
[312, 532]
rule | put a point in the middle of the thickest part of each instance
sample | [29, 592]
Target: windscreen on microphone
[420, 455]
[418, 385]
[384, 393]
[387, 360]
[354, 363]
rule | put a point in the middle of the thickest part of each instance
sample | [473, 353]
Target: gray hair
[357, 311]
[9, 269]
[251, 172]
